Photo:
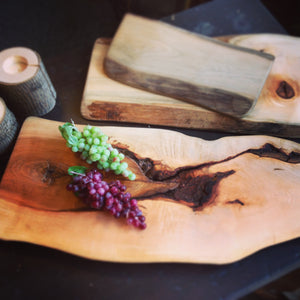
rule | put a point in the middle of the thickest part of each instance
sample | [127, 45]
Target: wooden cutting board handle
[164, 59]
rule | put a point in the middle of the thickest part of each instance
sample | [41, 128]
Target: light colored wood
[8, 128]
[280, 98]
[251, 185]
[164, 59]
[108, 100]
[24, 82]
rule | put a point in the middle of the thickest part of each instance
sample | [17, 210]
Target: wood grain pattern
[204, 201]
[164, 59]
[108, 100]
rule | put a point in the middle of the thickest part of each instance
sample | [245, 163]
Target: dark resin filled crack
[196, 191]
[236, 201]
[148, 166]
[194, 188]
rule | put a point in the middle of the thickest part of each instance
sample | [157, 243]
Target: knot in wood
[285, 91]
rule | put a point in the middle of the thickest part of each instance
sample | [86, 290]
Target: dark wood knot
[285, 91]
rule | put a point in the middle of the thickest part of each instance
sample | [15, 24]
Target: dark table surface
[63, 33]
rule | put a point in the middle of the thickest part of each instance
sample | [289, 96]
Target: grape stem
[74, 126]
[75, 173]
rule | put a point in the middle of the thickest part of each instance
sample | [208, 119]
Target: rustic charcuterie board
[204, 201]
[277, 110]
[164, 59]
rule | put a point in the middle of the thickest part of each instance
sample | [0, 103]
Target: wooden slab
[276, 112]
[168, 60]
[211, 202]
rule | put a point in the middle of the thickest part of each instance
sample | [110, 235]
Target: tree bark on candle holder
[24, 82]
[8, 127]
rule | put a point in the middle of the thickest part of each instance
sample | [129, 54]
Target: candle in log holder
[8, 127]
[24, 82]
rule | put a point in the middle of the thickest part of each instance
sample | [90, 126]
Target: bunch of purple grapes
[111, 197]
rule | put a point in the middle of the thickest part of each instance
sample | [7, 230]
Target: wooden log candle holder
[8, 127]
[24, 82]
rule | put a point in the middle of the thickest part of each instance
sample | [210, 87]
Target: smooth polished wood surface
[163, 59]
[276, 111]
[213, 202]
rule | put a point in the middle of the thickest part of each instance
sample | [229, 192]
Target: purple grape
[142, 225]
[101, 191]
[142, 219]
[111, 197]
[92, 191]
[69, 187]
[130, 221]
[133, 202]
[114, 190]
[122, 188]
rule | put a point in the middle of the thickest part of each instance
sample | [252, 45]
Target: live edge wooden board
[167, 60]
[276, 112]
[204, 201]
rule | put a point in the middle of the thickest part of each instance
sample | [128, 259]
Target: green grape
[99, 166]
[104, 138]
[131, 176]
[115, 159]
[105, 165]
[89, 140]
[118, 172]
[84, 155]
[95, 130]
[95, 157]
[104, 157]
[121, 156]
[81, 146]
[125, 173]
[106, 152]
[93, 150]
[89, 161]
[78, 134]
[86, 133]
[96, 141]
[123, 166]
[100, 149]
[93, 145]
[114, 165]
[114, 153]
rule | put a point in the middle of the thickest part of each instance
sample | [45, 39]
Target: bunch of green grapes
[93, 145]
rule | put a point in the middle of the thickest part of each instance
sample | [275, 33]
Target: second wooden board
[277, 111]
[167, 60]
